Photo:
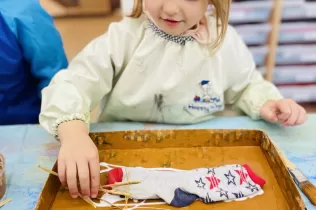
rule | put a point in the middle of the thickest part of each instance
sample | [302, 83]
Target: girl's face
[176, 16]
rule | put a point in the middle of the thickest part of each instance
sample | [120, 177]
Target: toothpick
[121, 184]
[115, 192]
[152, 208]
[54, 173]
[2, 203]
[126, 197]
[47, 170]
[100, 189]
[87, 200]
[112, 205]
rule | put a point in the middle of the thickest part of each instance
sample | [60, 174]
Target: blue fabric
[31, 53]
[182, 198]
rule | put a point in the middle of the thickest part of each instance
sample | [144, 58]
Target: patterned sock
[181, 188]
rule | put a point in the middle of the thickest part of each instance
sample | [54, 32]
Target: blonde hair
[221, 13]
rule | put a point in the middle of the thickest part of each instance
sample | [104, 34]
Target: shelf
[287, 57]
[59, 8]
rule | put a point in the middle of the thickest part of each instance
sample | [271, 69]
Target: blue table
[25, 147]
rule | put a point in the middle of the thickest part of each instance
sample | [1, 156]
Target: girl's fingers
[302, 118]
[71, 170]
[94, 167]
[62, 171]
[84, 177]
[295, 113]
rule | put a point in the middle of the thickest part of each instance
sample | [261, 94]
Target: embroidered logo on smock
[206, 96]
[207, 101]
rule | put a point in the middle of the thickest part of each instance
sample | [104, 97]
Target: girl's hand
[285, 111]
[78, 160]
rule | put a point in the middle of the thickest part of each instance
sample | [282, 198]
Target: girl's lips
[171, 23]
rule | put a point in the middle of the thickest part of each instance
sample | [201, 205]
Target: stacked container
[295, 71]
[295, 62]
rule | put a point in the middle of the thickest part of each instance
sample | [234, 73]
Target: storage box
[299, 93]
[298, 32]
[190, 149]
[259, 54]
[298, 10]
[250, 11]
[254, 34]
[293, 74]
[296, 54]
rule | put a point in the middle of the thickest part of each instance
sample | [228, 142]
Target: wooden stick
[309, 190]
[47, 170]
[276, 20]
[303, 183]
[116, 192]
[121, 184]
[54, 173]
[126, 197]
[116, 206]
[2, 203]
[87, 200]
[112, 205]
[100, 189]
[148, 207]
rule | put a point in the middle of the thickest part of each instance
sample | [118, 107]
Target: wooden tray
[189, 149]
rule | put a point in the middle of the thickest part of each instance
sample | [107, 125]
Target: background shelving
[281, 34]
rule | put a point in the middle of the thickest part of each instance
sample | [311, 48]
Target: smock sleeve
[74, 92]
[247, 90]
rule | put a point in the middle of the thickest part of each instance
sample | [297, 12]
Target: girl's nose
[170, 8]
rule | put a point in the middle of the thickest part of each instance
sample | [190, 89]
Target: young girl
[167, 63]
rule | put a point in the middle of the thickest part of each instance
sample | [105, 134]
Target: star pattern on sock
[230, 178]
[214, 182]
[238, 195]
[200, 183]
[207, 199]
[223, 193]
[211, 170]
[243, 176]
[252, 187]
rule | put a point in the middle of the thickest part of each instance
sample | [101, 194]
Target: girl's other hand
[285, 111]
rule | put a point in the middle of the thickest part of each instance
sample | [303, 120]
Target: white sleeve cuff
[67, 118]
[253, 105]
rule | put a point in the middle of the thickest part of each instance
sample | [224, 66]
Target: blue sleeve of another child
[40, 41]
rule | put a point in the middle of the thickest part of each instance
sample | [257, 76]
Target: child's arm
[74, 92]
[250, 92]
[39, 39]
[70, 97]
[65, 113]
